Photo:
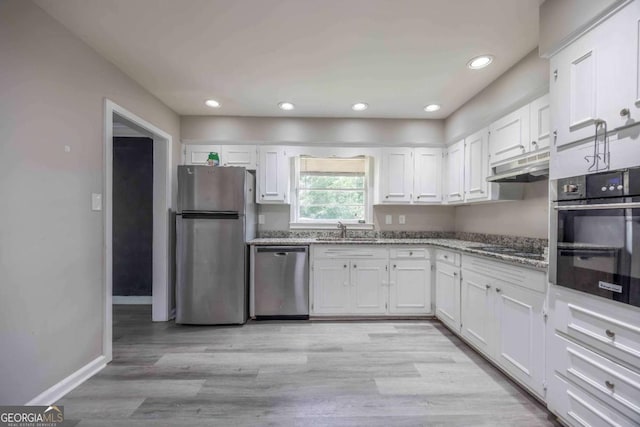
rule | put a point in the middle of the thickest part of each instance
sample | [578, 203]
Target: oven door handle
[633, 205]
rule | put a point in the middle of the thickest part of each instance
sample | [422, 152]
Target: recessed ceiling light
[431, 108]
[286, 106]
[359, 106]
[212, 103]
[480, 62]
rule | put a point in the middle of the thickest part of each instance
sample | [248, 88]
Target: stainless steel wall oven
[595, 235]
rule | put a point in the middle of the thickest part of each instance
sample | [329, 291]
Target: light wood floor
[404, 373]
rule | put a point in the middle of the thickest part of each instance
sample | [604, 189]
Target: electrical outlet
[96, 201]
[388, 219]
[402, 219]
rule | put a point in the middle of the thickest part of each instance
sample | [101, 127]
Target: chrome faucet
[343, 230]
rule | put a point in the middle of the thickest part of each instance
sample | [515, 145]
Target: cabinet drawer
[605, 329]
[409, 253]
[580, 408]
[449, 257]
[355, 251]
[612, 383]
[521, 276]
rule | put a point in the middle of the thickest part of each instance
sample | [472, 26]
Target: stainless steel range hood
[524, 169]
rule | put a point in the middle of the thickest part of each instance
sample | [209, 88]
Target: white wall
[562, 19]
[528, 217]
[296, 130]
[51, 244]
[522, 83]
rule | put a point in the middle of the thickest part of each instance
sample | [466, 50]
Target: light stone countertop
[453, 244]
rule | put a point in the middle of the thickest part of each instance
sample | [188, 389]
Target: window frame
[296, 222]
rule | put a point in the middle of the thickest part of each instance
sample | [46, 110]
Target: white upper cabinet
[239, 155]
[509, 136]
[455, 172]
[198, 154]
[476, 160]
[540, 124]
[427, 177]
[596, 78]
[273, 175]
[396, 175]
[229, 155]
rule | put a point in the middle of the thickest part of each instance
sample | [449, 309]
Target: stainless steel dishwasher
[281, 280]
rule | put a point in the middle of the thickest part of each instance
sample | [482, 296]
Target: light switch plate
[96, 201]
[402, 219]
[261, 219]
[388, 219]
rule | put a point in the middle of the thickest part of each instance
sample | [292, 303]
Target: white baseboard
[132, 299]
[57, 391]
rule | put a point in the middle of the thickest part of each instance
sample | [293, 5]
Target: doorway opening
[138, 218]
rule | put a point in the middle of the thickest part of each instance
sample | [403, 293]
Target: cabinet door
[198, 154]
[477, 311]
[509, 136]
[368, 286]
[476, 160]
[540, 123]
[574, 90]
[273, 175]
[455, 172]
[448, 295]
[520, 341]
[330, 286]
[239, 155]
[410, 287]
[396, 175]
[427, 180]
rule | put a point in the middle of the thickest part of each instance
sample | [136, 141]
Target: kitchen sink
[346, 239]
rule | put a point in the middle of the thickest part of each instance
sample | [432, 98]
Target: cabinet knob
[555, 74]
[386, 197]
[534, 143]
[410, 253]
[625, 112]
[455, 274]
[609, 384]
[418, 197]
[355, 266]
[262, 196]
[498, 290]
[345, 266]
[446, 257]
[487, 287]
[522, 148]
[610, 333]
[394, 266]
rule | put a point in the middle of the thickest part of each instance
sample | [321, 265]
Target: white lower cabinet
[368, 286]
[331, 286]
[502, 317]
[448, 293]
[358, 280]
[593, 362]
[410, 286]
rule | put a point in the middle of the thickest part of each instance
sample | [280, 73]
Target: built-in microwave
[595, 235]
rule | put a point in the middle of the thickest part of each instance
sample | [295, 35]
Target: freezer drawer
[211, 286]
[281, 282]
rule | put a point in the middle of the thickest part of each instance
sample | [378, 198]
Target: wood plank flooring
[399, 373]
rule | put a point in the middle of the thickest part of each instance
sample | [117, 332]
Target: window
[330, 190]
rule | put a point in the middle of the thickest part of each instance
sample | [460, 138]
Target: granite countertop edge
[454, 244]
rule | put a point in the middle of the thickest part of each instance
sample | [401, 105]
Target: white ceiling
[322, 55]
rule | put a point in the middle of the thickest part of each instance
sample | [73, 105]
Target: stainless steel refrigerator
[216, 217]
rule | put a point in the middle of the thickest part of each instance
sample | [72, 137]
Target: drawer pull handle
[610, 333]
[609, 384]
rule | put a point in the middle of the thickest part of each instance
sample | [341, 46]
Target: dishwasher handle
[281, 250]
